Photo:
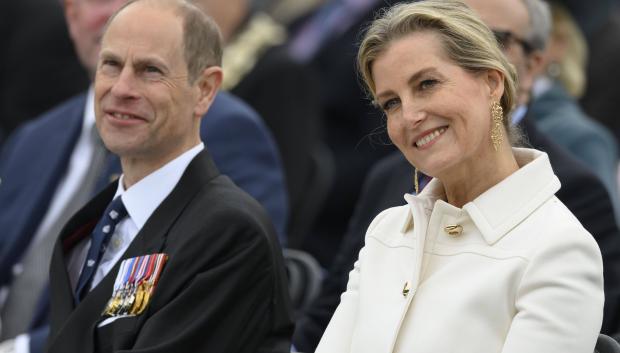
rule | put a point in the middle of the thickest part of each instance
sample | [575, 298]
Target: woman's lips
[430, 137]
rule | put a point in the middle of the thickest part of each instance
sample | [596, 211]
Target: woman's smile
[430, 137]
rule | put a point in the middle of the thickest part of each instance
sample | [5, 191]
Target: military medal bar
[134, 285]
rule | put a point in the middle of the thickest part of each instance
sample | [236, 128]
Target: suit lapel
[152, 236]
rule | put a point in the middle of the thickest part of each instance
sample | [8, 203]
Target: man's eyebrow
[106, 54]
[151, 61]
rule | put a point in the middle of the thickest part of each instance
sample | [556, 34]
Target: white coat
[522, 277]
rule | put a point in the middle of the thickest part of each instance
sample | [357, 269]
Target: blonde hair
[572, 66]
[466, 40]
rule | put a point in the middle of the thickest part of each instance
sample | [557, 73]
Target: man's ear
[495, 80]
[70, 14]
[208, 83]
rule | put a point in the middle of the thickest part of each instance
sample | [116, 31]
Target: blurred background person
[529, 23]
[326, 41]
[38, 68]
[601, 100]
[259, 70]
[556, 110]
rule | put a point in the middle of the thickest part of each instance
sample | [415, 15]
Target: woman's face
[438, 114]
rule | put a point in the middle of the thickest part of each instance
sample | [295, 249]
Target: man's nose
[124, 86]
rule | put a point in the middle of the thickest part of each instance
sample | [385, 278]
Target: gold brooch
[453, 230]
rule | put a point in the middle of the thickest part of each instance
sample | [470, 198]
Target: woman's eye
[390, 104]
[427, 84]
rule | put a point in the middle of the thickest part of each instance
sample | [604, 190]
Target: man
[582, 192]
[24, 42]
[50, 167]
[525, 25]
[553, 111]
[172, 257]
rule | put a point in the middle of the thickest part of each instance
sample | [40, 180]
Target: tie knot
[116, 211]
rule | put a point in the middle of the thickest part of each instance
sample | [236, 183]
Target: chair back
[606, 344]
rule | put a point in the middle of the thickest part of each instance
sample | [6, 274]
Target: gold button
[453, 230]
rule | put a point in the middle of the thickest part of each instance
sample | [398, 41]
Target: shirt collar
[142, 198]
[499, 209]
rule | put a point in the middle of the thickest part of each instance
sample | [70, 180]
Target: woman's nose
[413, 114]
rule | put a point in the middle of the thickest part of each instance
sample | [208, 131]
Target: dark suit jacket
[582, 192]
[37, 155]
[223, 288]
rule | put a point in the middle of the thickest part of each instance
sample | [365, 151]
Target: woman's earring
[497, 115]
[416, 184]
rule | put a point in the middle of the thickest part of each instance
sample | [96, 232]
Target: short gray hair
[540, 23]
[202, 40]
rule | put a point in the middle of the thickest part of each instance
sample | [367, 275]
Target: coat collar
[499, 209]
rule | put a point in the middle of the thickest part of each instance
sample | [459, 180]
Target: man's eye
[108, 62]
[390, 104]
[427, 84]
[152, 70]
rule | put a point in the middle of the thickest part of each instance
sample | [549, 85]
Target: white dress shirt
[140, 200]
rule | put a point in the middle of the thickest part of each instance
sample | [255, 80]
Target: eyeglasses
[504, 38]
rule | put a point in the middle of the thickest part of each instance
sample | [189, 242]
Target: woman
[486, 258]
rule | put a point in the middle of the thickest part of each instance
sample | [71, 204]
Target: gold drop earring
[497, 115]
[416, 184]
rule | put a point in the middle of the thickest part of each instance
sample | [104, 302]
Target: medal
[134, 285]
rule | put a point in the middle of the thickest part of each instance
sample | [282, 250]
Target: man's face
[146, 109]
[86, 19]
[511, 16]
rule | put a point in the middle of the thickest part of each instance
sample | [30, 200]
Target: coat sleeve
[339, 332]
[559, 301]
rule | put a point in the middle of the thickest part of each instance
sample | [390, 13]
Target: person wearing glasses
[522, 27]
[485, 258]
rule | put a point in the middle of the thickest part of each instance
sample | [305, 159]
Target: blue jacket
[562, 120]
